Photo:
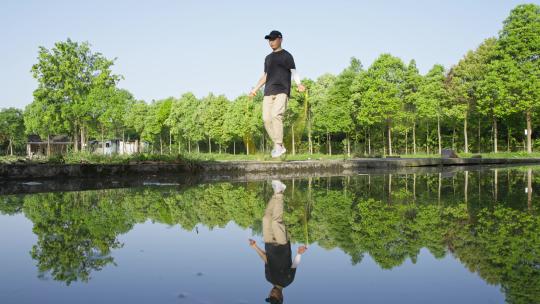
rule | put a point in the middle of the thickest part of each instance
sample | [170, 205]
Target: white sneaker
[278, 151]
[278, 186]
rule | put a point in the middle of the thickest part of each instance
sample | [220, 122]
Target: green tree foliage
[379, 93]
[519, 49]
[66, 74]
[486, 99]
[432, 99]
[11, 129]
[390, 218]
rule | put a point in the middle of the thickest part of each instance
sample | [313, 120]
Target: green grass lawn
[85, 157]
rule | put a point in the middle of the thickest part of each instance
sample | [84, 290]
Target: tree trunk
[209, 145]
[389, 138]
[310, 143]
[123, 141]
[102, 141]
[414, 137]
[494, 134]
[170, 142]
[466, 187]
[508, 139]
[465, 137]
[406, 141]
[198, 147]
[83, 141]
[76, 139]
[439, 189]
[529, 132]
[348, 146]
[384, 142]
[529, 189]
[439, 133]
[234, 147]
[329, 143]
[414, 187]
[495, 185]
[189, 145]
[292, 135]
[427, 138]
[48, 145]
[369, 141]
[454, 138]
[160, 144]
[479, 136]
[10, 147]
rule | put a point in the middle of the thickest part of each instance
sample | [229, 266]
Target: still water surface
[466, 237]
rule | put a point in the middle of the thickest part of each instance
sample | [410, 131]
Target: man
[279, 270]
[278, 68]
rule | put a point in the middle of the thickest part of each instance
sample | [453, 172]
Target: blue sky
[166, 48]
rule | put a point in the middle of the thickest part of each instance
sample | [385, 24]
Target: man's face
[275, 43]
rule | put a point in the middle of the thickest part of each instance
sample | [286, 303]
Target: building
[56, 145]
[117, 146]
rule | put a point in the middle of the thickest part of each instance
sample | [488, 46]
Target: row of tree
[492, 94]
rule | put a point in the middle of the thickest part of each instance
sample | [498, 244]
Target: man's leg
[278, 228]
[268, 234]
[267, 116]
[278, 110]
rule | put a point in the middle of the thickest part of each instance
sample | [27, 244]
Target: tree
[135, 117]
[186, 119]
[378, 93]
[215, 108]
[491, 92]
[462, 84]
[341, 106]
[408, 116]
[66, 74]
[155, 127]
[11, 127]
[107, 107]
[243, 121]
[432, 98]
[519, 46]
[318, 92]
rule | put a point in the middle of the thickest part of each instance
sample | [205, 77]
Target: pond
[449, 237]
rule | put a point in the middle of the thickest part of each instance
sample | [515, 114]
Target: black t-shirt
[278, 269]
[277, 66]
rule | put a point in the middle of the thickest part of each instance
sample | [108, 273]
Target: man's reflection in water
[278, 267]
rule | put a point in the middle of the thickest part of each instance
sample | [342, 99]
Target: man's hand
[302, 249]
[252, 243]
[301, 88]
[252, 94]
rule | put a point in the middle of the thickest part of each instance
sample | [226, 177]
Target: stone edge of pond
[26, 171]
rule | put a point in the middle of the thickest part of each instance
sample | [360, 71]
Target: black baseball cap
[273, 35]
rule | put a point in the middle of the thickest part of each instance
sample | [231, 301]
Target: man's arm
[296, 78]
[259, 251]
[259, 84]
[298, 256]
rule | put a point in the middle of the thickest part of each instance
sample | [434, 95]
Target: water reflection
[488, 220]
[279, 268]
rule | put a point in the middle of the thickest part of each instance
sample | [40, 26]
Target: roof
[34, 138]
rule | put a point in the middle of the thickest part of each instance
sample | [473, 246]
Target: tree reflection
[77, 231]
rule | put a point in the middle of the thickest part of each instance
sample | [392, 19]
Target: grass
[89, 158]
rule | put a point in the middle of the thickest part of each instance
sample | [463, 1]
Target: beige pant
[272, 111]
[273, 228]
